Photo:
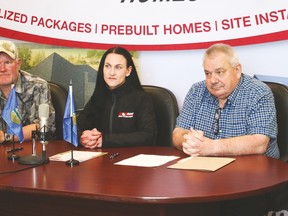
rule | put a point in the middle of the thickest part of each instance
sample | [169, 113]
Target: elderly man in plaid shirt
[229, 113]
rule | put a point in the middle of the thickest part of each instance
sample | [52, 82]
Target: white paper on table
[77, 155]
[145, 160]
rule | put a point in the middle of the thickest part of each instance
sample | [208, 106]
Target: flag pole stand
[13, 156]
[72, 162]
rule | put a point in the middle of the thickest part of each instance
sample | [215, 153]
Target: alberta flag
[69, 121]
[12, 117]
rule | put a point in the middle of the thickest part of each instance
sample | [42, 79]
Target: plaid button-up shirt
[250, 109]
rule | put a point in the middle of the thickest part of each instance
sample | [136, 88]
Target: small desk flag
[69, 121]
[12, 117]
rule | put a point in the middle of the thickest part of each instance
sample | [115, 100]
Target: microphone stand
[13, 156]
[72, 162]
[34, 134]
[44, 143]
[34, 159]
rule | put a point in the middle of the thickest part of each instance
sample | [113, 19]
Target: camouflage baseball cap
[9, 48]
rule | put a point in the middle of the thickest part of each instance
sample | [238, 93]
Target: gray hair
[223, 48]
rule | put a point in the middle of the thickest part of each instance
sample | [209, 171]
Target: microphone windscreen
[43, 111]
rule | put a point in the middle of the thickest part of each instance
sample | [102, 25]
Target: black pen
[15, 149]
[114, 155]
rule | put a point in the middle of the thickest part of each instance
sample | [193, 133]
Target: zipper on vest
[111, 113]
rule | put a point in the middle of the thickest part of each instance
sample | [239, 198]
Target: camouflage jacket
[31, 92]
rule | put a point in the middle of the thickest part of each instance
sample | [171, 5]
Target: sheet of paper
[77, 155]
[145, 160]
[202, 163]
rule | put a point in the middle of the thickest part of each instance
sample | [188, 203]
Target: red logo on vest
[125, 114]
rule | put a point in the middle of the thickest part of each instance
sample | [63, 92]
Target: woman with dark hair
[119, 113]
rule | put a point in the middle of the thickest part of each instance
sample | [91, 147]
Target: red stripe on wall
[277, 36]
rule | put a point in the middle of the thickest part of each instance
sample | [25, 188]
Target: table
[98, 187]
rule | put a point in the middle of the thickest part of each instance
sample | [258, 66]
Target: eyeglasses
[216, 123]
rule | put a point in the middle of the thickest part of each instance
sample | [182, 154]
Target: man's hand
[194, 143]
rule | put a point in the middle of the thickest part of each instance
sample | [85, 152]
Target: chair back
[280, 92]
[166, 109]
[59, 96]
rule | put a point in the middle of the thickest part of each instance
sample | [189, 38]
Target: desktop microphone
[42, 134]
[43, 121]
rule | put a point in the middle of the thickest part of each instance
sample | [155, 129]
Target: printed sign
[144, 24]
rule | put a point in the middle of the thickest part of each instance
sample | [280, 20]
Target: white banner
[144, 24]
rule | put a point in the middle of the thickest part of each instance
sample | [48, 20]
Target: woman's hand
[91, 138]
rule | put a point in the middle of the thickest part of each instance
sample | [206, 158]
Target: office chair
[166, 108]
[280, 92]
[59, 96]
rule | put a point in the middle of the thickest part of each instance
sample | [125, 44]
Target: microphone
[43, 117]
[42, 134]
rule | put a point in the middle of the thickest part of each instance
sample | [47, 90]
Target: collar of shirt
[232, 98]
[18, 84]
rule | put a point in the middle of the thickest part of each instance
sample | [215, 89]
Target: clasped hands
[195, 143]
[91, 138]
